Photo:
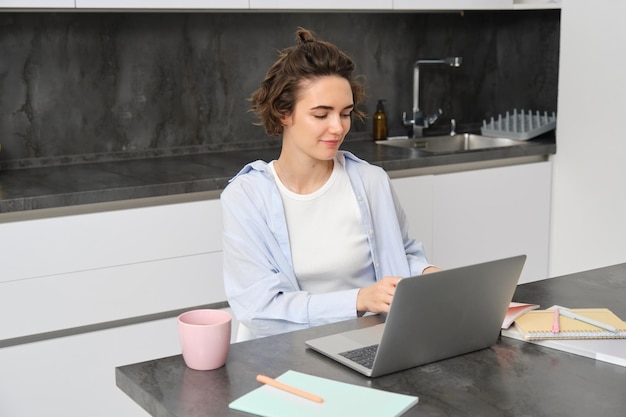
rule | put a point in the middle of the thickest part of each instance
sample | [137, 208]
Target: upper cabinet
[536, 4]
[37, 4]
[452, 4]
[475, 4]
[296, 5]
[321, 4]
[163, 4]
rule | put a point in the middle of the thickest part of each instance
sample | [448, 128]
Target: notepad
[537, 325]
[515, 310]
[605, 350]
[340, 399]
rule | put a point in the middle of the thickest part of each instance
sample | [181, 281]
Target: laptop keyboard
[363, 356]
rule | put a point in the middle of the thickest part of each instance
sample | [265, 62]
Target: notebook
[605, 350]
[340, 399]
[434, 316]
[515, 310]
[537, 325]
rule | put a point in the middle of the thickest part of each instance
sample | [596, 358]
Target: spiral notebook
[537, 325]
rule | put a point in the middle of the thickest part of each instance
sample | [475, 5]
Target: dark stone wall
[91, 83]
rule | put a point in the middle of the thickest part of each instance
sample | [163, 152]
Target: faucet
[420, 122]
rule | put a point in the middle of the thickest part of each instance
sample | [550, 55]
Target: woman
[317, 235]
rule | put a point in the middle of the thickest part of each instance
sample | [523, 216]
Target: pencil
[277, 384]
[567, 313]
[555, 321]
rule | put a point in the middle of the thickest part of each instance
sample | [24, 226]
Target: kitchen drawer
[82, 242]
[70, 300]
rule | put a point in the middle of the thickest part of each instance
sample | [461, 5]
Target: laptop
[432, 317]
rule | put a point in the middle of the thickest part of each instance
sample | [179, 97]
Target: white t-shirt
[328, 243]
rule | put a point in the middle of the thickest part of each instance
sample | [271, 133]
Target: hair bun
[305, 36]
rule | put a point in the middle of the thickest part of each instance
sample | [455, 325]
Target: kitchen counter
[29, 189]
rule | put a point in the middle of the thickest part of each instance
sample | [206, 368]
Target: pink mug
[204, 338]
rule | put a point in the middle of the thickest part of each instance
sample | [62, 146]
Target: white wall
[589, 188]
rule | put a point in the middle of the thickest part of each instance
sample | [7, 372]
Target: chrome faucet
[419, 121]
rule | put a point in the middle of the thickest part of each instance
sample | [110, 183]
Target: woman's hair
[310, 59]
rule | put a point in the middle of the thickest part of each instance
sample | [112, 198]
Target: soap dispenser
[380, 122]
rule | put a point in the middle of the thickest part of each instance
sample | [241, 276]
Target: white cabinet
[82, 269]
[75, 376]
[322, 4]
[452, 4]
[37, 4]
[475, 4]
[382, 5]
[475, 216]
[536, 4]
[416, 196]
[86, 269]
[98, 269]
[163, 4]
[494, 213]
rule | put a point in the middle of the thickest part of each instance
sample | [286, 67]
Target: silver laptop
[434, 316]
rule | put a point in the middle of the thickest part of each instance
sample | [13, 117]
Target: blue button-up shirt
[259, 278]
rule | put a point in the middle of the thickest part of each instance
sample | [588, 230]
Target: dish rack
[519, 125]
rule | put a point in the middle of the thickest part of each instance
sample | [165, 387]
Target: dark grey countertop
[511, 378]
[108, 181]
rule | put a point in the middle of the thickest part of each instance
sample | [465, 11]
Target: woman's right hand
[377, 297]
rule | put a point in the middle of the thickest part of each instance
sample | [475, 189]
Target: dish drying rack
[520, 126]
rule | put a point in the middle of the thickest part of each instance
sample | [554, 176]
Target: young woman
[317, 235]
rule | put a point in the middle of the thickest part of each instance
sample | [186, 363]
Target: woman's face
[321, 118]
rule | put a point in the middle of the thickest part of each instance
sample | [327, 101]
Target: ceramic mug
[204, 338]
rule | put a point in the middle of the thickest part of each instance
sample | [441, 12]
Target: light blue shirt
[259, 279]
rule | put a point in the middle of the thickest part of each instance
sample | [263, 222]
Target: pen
[555, 321]
[567, 313]
[277, 384]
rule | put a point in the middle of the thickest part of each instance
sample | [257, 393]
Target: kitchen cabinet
[452, 4]
[83, 269]
[480, 215]
[75, 376]
[536, 4]
[416, 197]
[475, 4]
[107, 271]
[37, 4]
[322, 4]
[163, 4]
[493, 213]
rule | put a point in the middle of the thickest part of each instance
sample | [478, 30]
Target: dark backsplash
[80, 84]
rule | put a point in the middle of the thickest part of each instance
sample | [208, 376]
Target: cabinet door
[39, 4]
[75, 376]
[82, 242]
[322, 4]
[416, 196]
[494, 213]
[452, 4]
[89, 268]
[162, 4]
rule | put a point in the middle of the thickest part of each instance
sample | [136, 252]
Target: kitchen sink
[462, 142]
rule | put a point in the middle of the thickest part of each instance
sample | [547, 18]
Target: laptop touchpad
[367, 336]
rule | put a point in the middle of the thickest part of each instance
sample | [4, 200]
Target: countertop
[511, 378]
[29, 189]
